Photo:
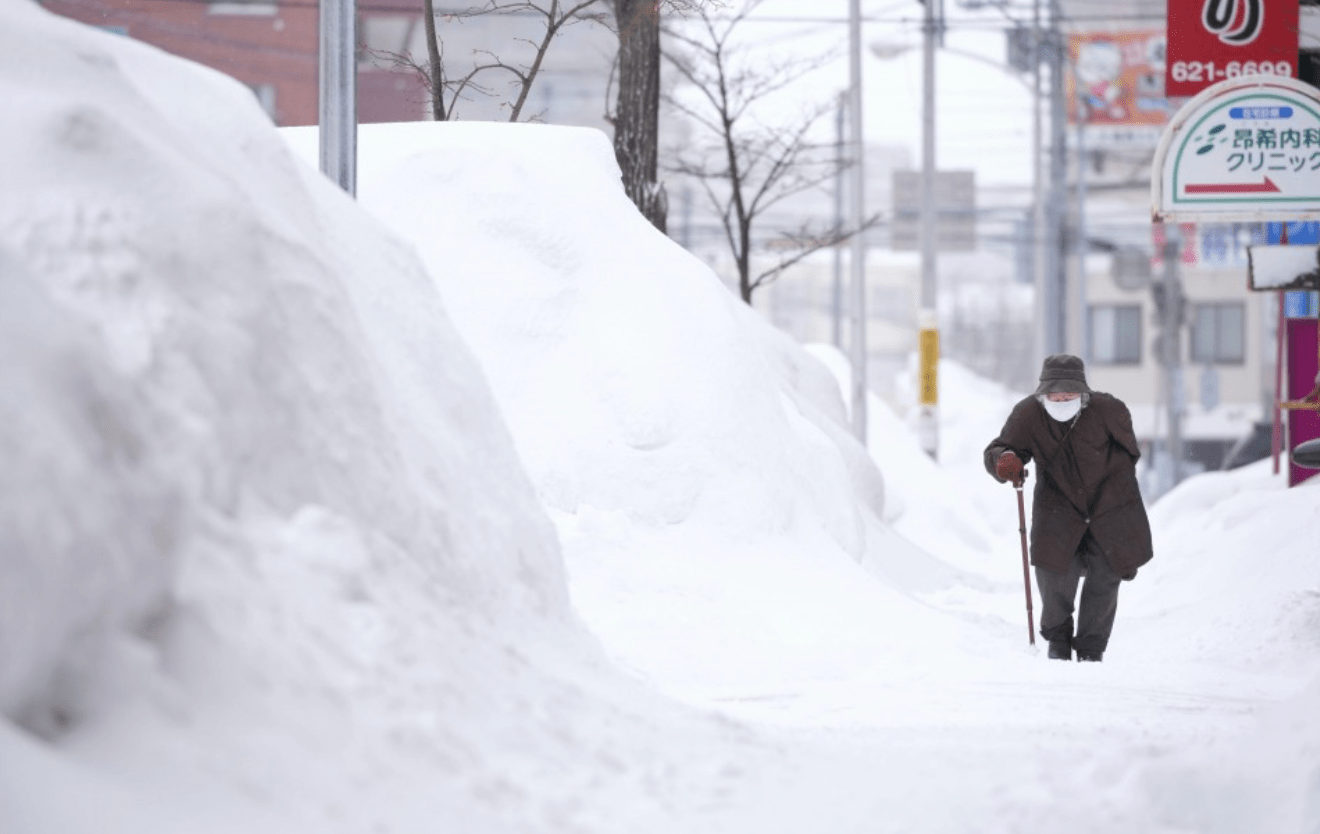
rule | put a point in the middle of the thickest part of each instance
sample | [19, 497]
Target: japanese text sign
[1243, 149]
[1213, 40]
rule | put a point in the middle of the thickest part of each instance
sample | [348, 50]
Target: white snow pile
[200, 346]
[1237, 587]
[607, 351]
[269, 561]
[697, 462]
[279, 554]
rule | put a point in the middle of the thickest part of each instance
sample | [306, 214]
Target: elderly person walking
[1088, 519]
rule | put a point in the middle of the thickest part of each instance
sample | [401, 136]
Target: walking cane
[1026, 571]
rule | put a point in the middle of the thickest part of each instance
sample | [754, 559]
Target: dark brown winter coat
[1086, 477]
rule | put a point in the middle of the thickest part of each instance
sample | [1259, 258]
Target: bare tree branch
[555, 17]
[805, 244]
[759, 165]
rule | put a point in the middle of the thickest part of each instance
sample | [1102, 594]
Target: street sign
[1214, 40]
[1299, 305]
[1022, 48]
[1244, 149]
[955, 207]
[1274, 268]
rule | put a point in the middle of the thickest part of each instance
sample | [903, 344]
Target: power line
[415, 8]
[377, 6]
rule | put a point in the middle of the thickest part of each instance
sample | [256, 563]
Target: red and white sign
[1211, 40]
[1247, 148]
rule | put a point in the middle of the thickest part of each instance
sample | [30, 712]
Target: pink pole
[1276, 436]
[1276, 440]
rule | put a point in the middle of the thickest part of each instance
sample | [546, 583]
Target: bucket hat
[1063, 373]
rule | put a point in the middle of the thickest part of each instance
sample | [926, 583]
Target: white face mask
[1064, 411]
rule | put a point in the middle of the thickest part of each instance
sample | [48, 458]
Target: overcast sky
[983, 113]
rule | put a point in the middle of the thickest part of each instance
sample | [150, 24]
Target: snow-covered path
[1142, 743]
[1199, 720]
[1144, 700]
[476, 505]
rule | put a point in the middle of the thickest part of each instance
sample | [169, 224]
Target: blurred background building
[1102, 107]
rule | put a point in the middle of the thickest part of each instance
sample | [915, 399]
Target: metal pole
[928, 317]
[1055, 309]
[338, 93]
[837, 295]
[1276, 439]
[1173, 382]
[1276, 432]
[1084, 315]
[858, 265]
[1037, 193]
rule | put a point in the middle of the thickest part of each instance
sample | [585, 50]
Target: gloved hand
[1009, 468]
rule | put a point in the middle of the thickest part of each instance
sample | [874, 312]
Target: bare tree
[636, 116]
[435, 74]
[446, 89]
[636, 113]
[745, 166]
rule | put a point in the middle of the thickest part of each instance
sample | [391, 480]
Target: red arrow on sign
[1267, 187]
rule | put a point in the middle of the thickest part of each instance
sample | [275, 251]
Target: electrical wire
[405, 7]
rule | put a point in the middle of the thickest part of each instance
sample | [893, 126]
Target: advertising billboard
[1116, 87]
[1211, 40]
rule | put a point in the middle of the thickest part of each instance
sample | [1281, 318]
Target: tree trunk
[437, 69]
[637, 109]
[745, 260]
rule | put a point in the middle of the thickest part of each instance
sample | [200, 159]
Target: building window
[1219, 333]
[1116, 334]
[242, 7]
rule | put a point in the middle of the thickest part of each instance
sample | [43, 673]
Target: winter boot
[1090, 657]
[1061, 650]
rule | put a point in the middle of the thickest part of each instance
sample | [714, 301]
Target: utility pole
[858, 265]
[338, 93]
[1171, 340]
[1055, 307]
[1038, 234]
[1083, 307]
[836, 305]
[928, 315]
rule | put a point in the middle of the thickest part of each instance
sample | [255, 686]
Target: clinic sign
[1245, 149]
[1216, 40]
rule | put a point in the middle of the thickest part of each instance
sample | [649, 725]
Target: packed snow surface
[478, 505]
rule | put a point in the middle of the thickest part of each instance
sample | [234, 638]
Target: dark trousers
[1058, 591]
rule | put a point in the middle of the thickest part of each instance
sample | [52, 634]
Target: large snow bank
[698, 463]
[632, 381]
[269, 559]
[1235, 587]
[1236, 578]
[200, 342]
